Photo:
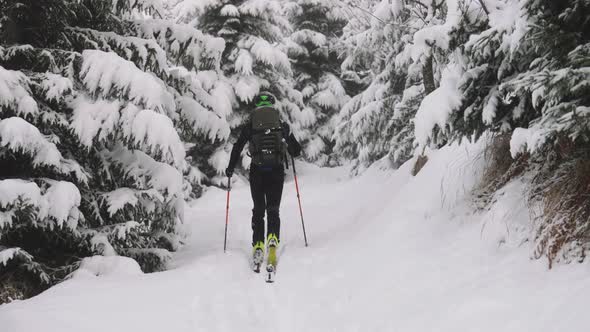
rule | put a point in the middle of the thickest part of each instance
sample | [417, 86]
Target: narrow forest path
[388, 252]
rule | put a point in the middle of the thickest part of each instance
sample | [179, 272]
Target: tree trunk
[428, 75]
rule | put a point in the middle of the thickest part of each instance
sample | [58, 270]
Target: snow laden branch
[54, 205]
[19, 136]
[185, 44]
[106, 74]
[15, 93]
[146, 54]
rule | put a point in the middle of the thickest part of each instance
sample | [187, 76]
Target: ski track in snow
[387, 252]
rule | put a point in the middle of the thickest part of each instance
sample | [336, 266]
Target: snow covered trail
[388, 252]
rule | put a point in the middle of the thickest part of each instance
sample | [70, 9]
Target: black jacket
[293, 146]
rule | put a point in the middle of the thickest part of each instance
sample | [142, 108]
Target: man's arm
[293, 147]
[244, 137]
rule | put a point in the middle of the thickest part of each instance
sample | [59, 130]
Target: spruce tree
[519, 69]
[252, 61]
[314, 47]
[377, 123]
[91, 161]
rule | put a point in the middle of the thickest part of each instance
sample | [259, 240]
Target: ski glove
[294, 151]
[229, 172]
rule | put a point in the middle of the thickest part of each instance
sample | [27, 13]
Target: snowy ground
[388, 252]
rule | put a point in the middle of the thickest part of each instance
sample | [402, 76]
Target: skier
[268, 138]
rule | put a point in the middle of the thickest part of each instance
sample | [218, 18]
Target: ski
[271, 270]
[256, 267]
[270, 273]
[257, 259]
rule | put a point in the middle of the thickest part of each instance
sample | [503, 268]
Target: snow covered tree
[520, 68]
[252, 60]
[314, 48]
[480, 41]
[547, 107]
[499, 77]
[91, 161]
[377, 123]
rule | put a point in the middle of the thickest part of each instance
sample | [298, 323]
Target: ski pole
[227, 213]
[299, 199]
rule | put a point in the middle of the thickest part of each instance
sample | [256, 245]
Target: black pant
[266, 188]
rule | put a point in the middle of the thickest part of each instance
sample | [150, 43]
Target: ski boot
[257, 256]
[271, 263]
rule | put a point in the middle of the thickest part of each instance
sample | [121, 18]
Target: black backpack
[267, 147]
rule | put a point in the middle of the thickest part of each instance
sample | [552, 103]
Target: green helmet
[264, 98]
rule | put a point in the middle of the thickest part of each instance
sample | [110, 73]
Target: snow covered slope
[388, 252]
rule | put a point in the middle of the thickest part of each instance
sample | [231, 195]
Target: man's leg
[257, 191]
[274, 192]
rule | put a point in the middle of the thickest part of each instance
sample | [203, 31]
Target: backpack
[266, 147]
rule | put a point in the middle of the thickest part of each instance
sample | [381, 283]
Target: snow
[8, 254]
[247, 87]
[309, 36]
[55, 87]
[60, 203]
[258, 8]
[306, 117]
[266, 53]
[412, 93]
[156, 134]
[212, 90]
[107, 266]
[507, 221]
[315, 147]
[388, 252]
[145, 53]
[14, 92]
[93, 120]
[105, 72]
[244, 63]
[527, 140]
[100, 244]
[219, 160]
[12, 189]
[429, 37]
[230, 10]
[508, 22]
[438, 35]
[119, 198]
[195, 176]
[153, 133]
[170, 36]
[143, 169]
[121, 231]
[490, 108]
[385, 11]
[510, 17]
[17, 134]
[331, 94]
[187, 9]
[207, 78]
[437, 107]
[203, 121]
[221, 99]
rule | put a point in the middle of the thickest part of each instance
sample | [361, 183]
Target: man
[267, 136]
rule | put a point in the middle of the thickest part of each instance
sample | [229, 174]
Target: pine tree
[520, 69]
[314, 47]
[377, 124]
[504, 79]
[252, 61]
[91, 162]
